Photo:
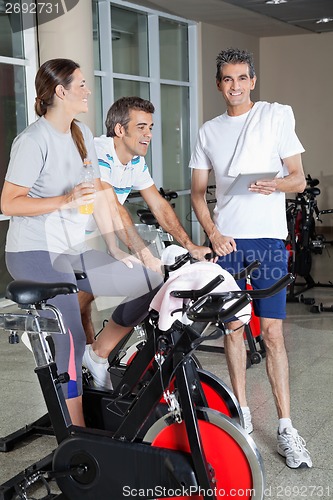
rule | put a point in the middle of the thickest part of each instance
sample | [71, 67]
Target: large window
[142, 52]
[17, 70]
[129, 33]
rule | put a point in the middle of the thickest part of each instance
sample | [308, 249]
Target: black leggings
[105, 277]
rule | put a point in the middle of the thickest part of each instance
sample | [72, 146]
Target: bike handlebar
[196, 294]
[217, 312]
[182, 259]
[274, 289]
[260, 294]
[179, 262]
[244, 273]
[212, 306]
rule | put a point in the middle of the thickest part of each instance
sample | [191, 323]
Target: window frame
[30, 63]
[106, 74]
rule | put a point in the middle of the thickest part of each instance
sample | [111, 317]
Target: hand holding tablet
[242, 182]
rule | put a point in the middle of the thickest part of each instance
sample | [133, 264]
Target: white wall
[298, 70]
[295, 70]
[214, 40]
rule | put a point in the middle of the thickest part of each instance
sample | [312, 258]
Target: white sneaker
[248, 426]
[26, 341]
[99, 371]
[292, 446]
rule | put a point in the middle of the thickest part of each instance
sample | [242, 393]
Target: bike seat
[312, 182]
[142, 211]
[32, 292]
[148, 219]
[312, 191]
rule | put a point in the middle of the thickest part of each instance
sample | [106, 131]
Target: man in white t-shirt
[252, 138]
[121, 153]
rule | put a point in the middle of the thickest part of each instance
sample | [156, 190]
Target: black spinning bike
[190, 448]
[304, 241]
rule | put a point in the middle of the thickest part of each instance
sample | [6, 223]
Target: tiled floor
[309, 340]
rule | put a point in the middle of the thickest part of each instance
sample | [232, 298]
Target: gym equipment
[252, 334]
[134, 381]
[206, 461]
[149, 228]
[303, 240]
[129, 380]
[318, 308]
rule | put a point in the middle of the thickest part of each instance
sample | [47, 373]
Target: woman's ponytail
[78, 139]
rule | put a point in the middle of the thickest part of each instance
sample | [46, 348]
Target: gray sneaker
[99, 371]
[292, 446]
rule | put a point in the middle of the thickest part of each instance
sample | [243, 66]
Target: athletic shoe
[292, 446]
[26, 341]
[99, 371]
[248, 426]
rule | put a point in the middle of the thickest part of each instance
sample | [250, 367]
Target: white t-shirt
[250, 215]
[48, 163]
[123, 178]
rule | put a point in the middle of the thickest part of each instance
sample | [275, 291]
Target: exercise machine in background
[304, 241]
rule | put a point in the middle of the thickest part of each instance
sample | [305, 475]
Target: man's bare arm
[128, 234]
[168, 220]
[222, 245]
[294, 182]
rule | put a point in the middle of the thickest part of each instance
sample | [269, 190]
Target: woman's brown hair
[52, 73]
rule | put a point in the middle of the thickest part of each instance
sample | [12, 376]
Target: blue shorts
[273, 256]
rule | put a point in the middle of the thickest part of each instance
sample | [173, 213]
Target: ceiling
[252, 17]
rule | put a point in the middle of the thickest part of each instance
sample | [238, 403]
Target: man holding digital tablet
[250, 221]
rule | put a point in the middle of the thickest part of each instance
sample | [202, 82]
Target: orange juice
[86, 209]
[87, 175]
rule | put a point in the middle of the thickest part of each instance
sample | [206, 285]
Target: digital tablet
[241, 184]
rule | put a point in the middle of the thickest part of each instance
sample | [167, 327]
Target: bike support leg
[204, 475]
[54, 399]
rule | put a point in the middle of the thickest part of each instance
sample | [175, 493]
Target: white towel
[192, 277]
[255, 143]
[170, 253]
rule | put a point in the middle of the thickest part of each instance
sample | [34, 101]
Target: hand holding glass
[87, 177]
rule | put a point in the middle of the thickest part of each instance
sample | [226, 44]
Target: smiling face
[134, 139]
[236, 86]
[76, 96]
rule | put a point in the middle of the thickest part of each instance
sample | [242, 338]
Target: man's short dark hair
[120, 112]
[234, 56]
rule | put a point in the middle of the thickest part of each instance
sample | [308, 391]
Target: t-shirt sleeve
[105, 162]
[199, 158]
[26, 161]
[143, 179]
[289, 144]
